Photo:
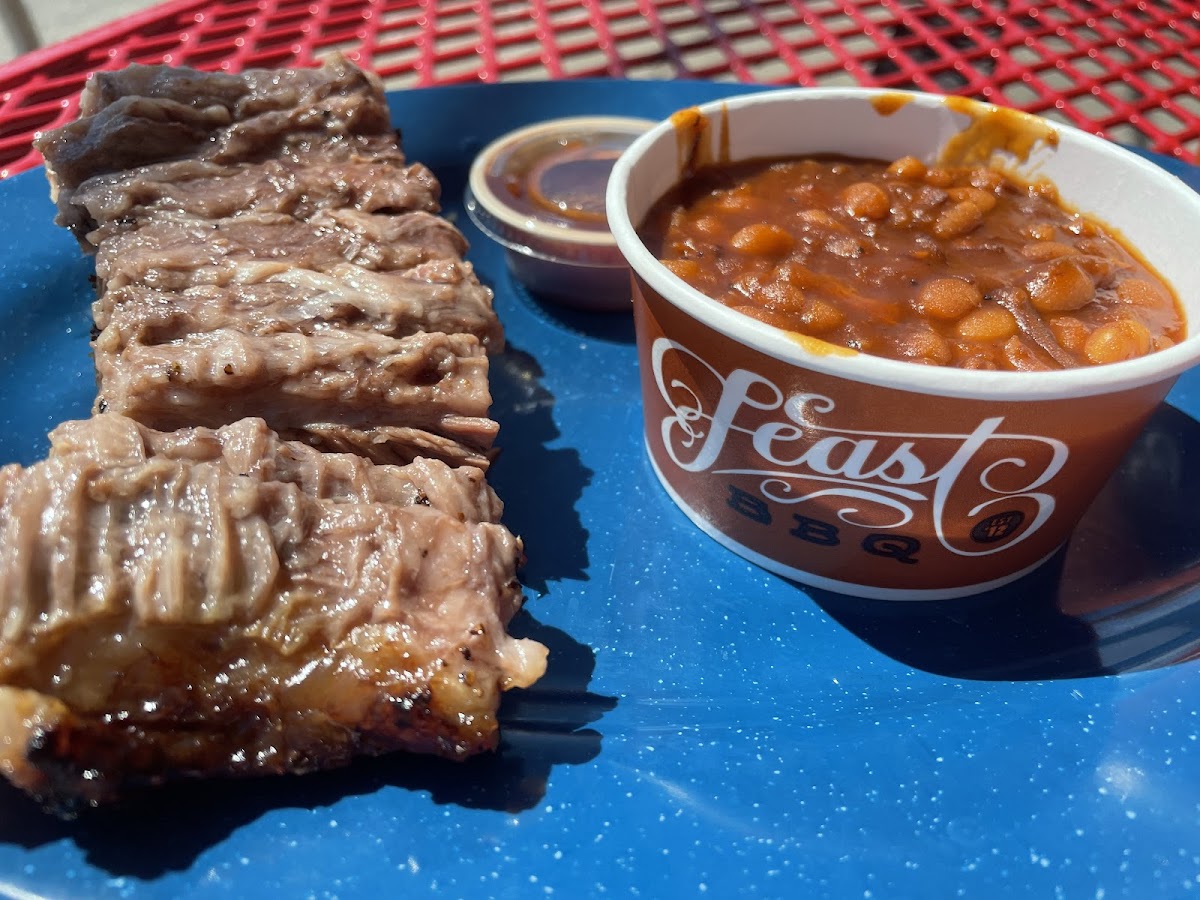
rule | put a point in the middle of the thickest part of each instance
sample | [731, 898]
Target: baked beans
[952, 266]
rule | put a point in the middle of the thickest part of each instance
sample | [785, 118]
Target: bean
[979, 362]
[970, 355]
[793, 271]
[1139, 292]
[987, 179]
[1102, 269]
[820, 218]
[1070, 333]
[1061, 286]
[845, 246]
[1043, 250]
[1100, 246]
[762, 239]
[865, 200]
[709, 227]
[908, 167]
[985, 201]
[687, 269]
[1022, 357]
[864, 339]
[803, 277]
[927, 199]
[1117, 341]
[1040, 232]
[958, 219]
[737, 200]
[820, 316]
[924, 345]
[782, 296]
[748, 287]
[775, 319]
[939, 177]
[947, 298]
[987, 324]
[801, 193]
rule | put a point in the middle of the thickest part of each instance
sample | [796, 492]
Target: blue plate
[705, 729]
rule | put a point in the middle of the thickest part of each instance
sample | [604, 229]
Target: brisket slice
[327, 176]
[439, 296]
[243, 285]
[249, 447]
[168, 610]
[151, 114]
[397, 444]
[267, 272]
[182, 250]
[298, 383]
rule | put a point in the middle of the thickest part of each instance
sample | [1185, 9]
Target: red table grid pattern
[1127, 70]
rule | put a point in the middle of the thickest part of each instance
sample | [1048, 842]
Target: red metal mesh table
[1127, 70]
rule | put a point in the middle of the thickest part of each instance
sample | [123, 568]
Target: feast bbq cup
[872, 476]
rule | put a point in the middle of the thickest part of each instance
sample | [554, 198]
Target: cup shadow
[1123, 594]
[612, 326]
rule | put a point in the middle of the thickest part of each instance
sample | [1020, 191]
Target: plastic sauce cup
[870, 476]
[539, 192]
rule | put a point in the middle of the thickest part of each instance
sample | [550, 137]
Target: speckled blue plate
[705, 729]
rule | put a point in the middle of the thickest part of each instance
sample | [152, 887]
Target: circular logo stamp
[998, 527]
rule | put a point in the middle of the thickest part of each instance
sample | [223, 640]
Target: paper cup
[866, 475]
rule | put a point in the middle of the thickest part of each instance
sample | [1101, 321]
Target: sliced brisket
[144, 115]
[273, 547]
[221, 603]
[430, 381]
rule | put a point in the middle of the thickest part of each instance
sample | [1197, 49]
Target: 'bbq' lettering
[815, 531]
[754, 508]
[893, 546]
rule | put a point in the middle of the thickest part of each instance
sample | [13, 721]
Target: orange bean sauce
[954, 266]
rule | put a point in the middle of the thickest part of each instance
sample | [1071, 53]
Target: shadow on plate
[1122, 595]
[147, 836]
[612, 327]
[540, 485]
